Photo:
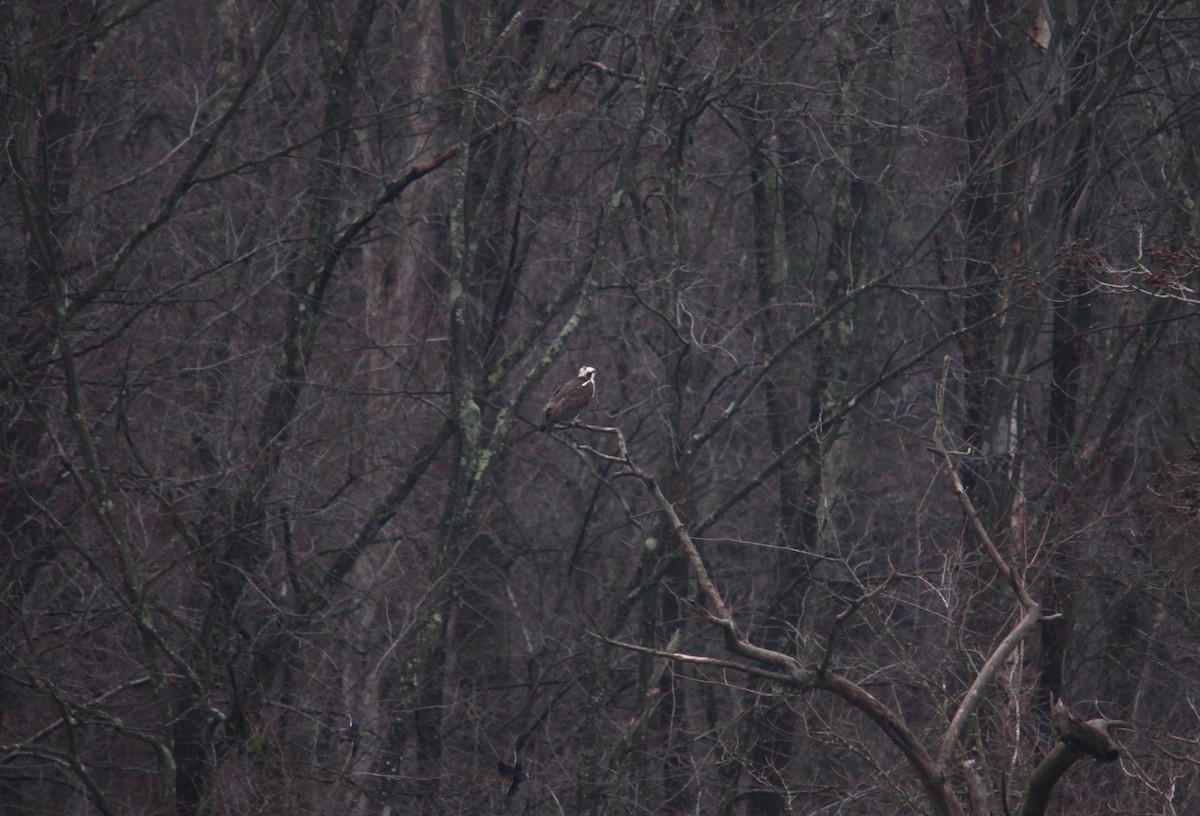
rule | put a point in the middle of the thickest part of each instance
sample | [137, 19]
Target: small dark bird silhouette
[514, 772]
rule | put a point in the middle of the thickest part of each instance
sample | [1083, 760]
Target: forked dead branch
[936, 772]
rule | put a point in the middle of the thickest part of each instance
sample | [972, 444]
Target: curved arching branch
[777, 665]
[1031, 612]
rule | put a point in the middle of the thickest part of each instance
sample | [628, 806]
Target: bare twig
[699, 660]
[842, 616]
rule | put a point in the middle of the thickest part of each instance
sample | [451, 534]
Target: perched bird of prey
[568, 400]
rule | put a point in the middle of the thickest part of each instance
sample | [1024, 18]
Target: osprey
[570, 398]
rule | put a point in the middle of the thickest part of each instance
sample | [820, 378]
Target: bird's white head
[587, 372]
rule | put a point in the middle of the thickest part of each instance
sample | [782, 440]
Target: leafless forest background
[894, 310]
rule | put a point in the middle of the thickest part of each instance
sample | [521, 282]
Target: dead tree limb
[787, 669]
[1031, 612]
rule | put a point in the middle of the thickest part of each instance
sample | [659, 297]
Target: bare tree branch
[1031, 612]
